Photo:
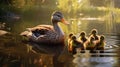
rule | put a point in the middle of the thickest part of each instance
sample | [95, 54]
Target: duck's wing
[45, 37]
[40, 29]
[42, 34]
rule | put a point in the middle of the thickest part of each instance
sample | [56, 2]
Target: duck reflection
[45, 51]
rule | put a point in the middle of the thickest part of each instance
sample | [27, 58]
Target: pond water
[15, 51]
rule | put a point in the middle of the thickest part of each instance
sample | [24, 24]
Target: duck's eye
[58, 15]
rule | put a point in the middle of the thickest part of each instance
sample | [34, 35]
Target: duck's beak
[64, 21]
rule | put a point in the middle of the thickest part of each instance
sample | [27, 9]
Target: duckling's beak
[64, 21]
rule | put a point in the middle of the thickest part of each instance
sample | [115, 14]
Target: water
[15, 51]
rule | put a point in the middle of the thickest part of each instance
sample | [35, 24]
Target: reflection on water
[15, 53]
[110, 57]
[94, 60]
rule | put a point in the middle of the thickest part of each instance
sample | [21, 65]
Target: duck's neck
[58, 29]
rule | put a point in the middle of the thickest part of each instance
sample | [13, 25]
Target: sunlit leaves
[73, 7]
[64, 5]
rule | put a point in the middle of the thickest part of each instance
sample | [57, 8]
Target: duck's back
[42, 27]
[44, 34]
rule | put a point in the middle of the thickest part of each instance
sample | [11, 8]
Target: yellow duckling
[100, 45]
[68, 41]
[75, 44]
[90, 44]
[83, 37]
[94, 34]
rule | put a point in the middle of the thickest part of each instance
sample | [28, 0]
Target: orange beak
[64, 21]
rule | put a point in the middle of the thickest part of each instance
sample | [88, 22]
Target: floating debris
[2, 32]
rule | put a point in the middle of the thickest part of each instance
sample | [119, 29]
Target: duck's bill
[64, 21]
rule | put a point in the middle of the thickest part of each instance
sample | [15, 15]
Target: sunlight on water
[87, 60]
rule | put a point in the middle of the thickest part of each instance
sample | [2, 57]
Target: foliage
[88, 8]
[72, 7]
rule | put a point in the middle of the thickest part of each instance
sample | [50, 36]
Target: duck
[47, 34]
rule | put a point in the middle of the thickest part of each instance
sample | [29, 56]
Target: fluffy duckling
[83, 37]
[100, 45]
[94, 34]
[68, 41]
[90, 44]
[76, 44]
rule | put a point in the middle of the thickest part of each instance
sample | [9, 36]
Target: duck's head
[58, 17]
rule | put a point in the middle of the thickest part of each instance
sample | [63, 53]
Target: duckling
[76, 44]
[94, 34]
[83, 37]
[90, 44]
[100, 45]
[69, 40]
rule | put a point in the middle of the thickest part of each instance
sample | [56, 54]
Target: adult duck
[47, 34]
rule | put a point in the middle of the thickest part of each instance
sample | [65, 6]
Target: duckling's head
[92, 39]
[58, 17]
[102, 37]
[73, 37]
[94, 31]
[70, 35]
[82, 33]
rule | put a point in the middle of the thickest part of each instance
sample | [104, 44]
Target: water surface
[15, 51]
